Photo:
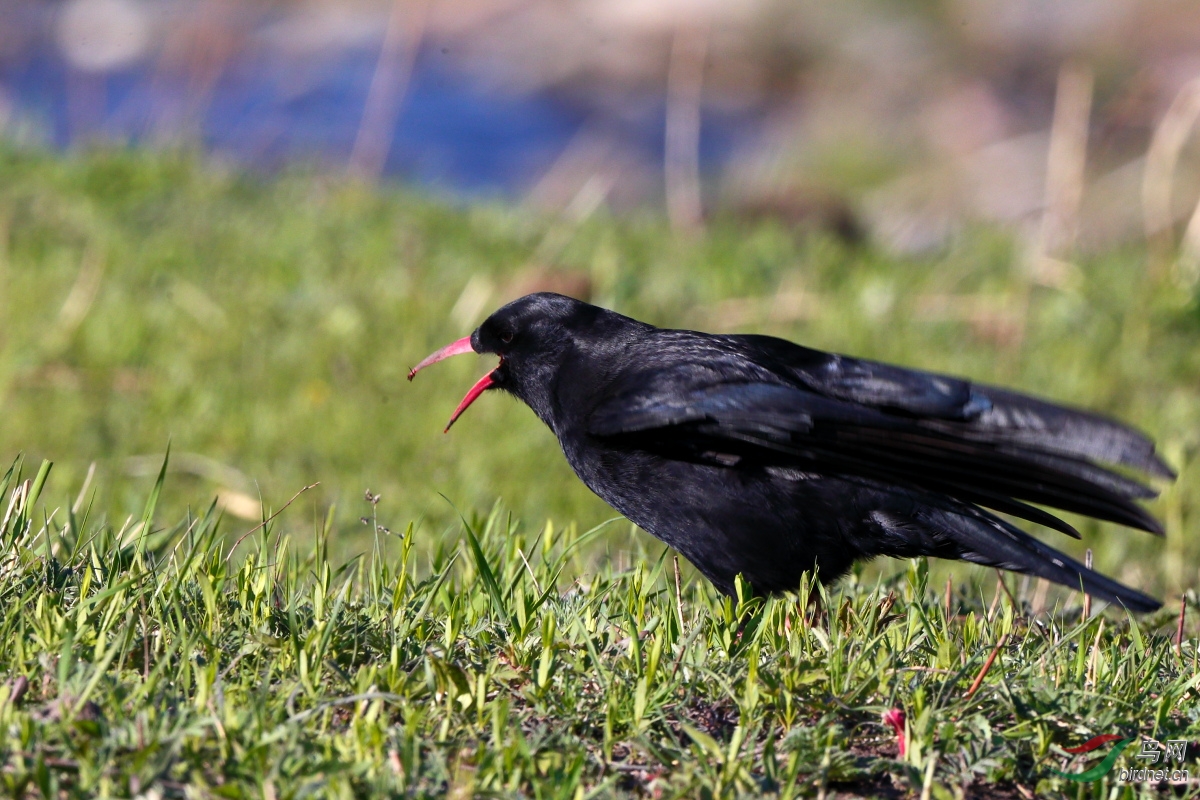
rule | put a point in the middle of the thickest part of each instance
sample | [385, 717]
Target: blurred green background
[234, 226]
[264, 325]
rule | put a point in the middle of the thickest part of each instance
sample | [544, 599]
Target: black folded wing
[980, 445]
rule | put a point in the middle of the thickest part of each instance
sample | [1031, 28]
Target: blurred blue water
[452, 131]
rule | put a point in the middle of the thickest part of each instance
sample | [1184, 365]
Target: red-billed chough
[753, 455]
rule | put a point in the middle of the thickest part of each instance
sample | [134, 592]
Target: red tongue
[480, 386]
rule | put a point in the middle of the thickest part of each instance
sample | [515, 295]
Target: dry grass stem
[1161, 161]
[393, 71]
[681, 161]
[987, 665]
[1067, 160]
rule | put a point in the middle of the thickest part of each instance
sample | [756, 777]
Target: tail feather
[989, 540]
[974, 535]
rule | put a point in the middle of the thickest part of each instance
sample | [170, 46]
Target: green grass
[145, 661]
[263, 327]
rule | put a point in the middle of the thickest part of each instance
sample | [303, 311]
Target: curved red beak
[460, 347]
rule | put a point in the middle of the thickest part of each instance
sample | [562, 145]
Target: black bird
[753, 455]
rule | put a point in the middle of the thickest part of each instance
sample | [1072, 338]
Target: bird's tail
[974, 535]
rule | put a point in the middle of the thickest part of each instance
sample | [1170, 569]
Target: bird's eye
[506, 337]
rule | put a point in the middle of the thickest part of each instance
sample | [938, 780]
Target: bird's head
[534, 336]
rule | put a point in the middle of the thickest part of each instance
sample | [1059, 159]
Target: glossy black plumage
[753, 455]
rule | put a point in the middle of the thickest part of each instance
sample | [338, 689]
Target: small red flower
[895, 717]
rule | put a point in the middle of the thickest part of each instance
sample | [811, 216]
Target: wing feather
[990, 454]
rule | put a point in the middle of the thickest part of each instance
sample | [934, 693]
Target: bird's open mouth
[457, 348]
